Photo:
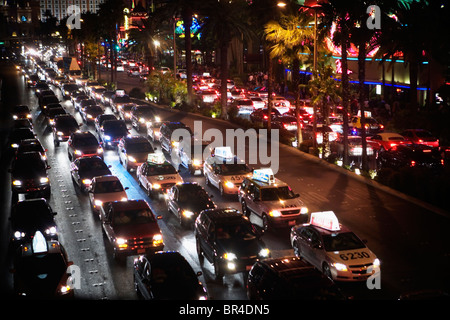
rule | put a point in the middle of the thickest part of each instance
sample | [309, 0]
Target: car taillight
[413, 163]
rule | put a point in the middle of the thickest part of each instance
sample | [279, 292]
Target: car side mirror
[297, 195]
[48, 167]
[199, 273]
[126, 188]
[159, 217]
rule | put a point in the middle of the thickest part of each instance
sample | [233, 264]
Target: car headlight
[132, 159]
[89, 116]
[19, 234]
[376, 262]
[78, 152]
[196, 162]
[60, 133]
[100, 150]
[229, 184]
[264, 253]
[157, 239]
[65, 289]
[98, 203]
[304, 210]
[141, 120]
[14, 145]
[43, 180]
[187, 213]
[17, 183]
[275, 213]
[121, 241]
[229, 256]
[51, 230]
[86, 181]
[156, 186]
[107, 138]
[340, 266]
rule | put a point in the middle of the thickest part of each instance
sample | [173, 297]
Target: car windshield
[245, 102]
[396, 138]
[139, 147]
[342, 241]
[160, 169]
[115, 127]
[231, 168]
[124, 99]
[278, 193]
[423, 134]
[66, 122]
[144, 112]
[129, 217]
[305, 287]
[108, 186]
[192, 194]
[28, 164]
[235, 231]
[91, 165]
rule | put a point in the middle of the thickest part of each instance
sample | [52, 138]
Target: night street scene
[227, 151]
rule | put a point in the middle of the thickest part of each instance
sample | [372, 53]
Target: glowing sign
[39, 243]
[179, 28]
[326, 220]
[264, 175]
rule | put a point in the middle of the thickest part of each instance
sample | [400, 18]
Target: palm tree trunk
[223, 78]
[269, 94]
[345, 97]
[187, 19]
[362, 99]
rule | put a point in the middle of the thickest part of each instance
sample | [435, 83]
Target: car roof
[223, 214]
[342, 229]
[288, 265]
[107, 177]
[277, 183]
[130, 204]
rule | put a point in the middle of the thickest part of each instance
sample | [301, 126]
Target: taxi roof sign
[326, 220]
[264, 175]
[223, 152]
[157, 158]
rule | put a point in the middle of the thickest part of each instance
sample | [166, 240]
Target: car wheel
[222, 192]
[296, 249]
[265, 222]
[207, 180]
[245, 209]
[149, 192]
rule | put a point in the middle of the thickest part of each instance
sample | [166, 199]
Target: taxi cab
[106, 188]
[157, 175]
[225, 171]
[40, 269]
[271, 200]
[333, 248]
[189, 154]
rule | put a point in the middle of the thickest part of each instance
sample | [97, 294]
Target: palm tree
[224, 20]
[148, 38]
[324, 90]
[289, 37]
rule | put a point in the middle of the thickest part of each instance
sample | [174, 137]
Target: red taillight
[413, 163]
[266, 117]
[442, 161]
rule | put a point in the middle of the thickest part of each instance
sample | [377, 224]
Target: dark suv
[288, 278]
[228, 240]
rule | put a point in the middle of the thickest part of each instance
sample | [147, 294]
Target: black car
[17, 135]
[187, 200]
[83, 144]
[90, 112]
[85, 168]
[106, 97]
[141, 115]
[118, 100]
[44, 93]
[68, 88]
[262, 115]
[29, 216]
[22, 123]
[409, 155]
[166, 276]
[289, 278]
[83, 103]
[111, 131]
[29, 175]
[21, 111]
[64, 126]
[41, 270]
[45, 101]
[125, 111]
[29, 145]
[32, 80]
[41, 86]
[228, 240]
[52, 112]
[103, 117]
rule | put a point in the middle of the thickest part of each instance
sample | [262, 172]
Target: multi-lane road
[409, 239]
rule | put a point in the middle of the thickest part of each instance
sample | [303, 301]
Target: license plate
[291, 223]
[140, 250]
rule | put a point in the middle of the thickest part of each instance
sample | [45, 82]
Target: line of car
[224, 236]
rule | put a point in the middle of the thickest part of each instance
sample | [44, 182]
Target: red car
[421, 136]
